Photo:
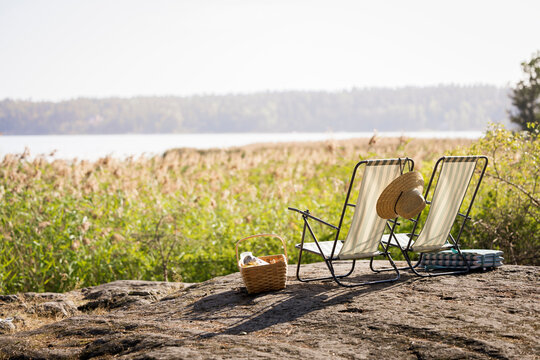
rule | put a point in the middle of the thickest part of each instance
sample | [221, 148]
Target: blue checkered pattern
[450, 259]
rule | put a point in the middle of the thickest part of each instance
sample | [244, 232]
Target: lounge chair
[453, 182]
[363, 239]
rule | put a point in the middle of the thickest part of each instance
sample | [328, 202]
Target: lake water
[92, 147]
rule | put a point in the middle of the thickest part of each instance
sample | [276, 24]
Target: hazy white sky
[61, 49]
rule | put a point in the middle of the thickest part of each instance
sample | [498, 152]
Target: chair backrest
[367, 227]
[452, 185]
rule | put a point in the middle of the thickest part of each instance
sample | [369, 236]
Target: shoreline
[95, 147]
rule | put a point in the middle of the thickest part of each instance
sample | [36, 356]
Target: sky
[61, 49]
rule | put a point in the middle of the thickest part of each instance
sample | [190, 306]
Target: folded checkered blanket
[477, 258]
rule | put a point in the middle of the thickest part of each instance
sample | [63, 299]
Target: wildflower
[75, 245]
[85, 226]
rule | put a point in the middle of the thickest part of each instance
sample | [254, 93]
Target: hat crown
[403, 196]
[410, 203]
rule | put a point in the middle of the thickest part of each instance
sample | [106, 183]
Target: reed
[68, 224]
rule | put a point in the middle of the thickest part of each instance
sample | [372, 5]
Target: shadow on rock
[259, 311]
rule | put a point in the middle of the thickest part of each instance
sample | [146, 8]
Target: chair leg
[415, 266]
[336, 279]
[433, 274]
[385, 269]
[330, 268]
[400, 268]
[409, 266]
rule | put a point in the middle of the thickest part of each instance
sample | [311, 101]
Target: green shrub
[506, 214]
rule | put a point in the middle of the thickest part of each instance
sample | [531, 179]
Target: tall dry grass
[66, 224]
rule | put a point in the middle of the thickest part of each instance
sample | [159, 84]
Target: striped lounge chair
[366, 229]
[452, 183]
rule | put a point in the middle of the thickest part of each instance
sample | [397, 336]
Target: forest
[436, 108]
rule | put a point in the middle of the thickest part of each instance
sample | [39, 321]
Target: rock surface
[482, 315]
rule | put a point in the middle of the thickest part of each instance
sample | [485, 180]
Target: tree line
[439, 108]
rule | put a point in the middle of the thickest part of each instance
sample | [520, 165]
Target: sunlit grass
[67, 224]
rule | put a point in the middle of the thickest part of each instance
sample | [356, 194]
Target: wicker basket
[265, 277]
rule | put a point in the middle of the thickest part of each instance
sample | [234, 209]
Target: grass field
[178, 216]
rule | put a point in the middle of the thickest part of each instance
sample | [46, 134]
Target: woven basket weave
[265, 277]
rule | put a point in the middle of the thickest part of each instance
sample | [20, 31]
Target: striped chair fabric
[456, 173]
[367, 227]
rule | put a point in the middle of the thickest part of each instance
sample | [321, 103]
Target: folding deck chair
[453, 182]
[366, 231]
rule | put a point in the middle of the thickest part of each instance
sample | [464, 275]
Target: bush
[506, 214]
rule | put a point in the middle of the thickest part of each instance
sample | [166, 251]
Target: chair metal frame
[453, 242]
[306, 215]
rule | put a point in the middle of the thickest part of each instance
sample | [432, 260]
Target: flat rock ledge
[482, 315]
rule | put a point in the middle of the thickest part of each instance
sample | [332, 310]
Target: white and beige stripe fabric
[367, 227]
[453, 182]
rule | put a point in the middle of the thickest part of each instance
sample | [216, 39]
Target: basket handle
[261, 235]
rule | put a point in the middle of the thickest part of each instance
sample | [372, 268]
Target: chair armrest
[308, 215]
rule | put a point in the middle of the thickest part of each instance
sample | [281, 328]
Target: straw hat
[402, 197]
